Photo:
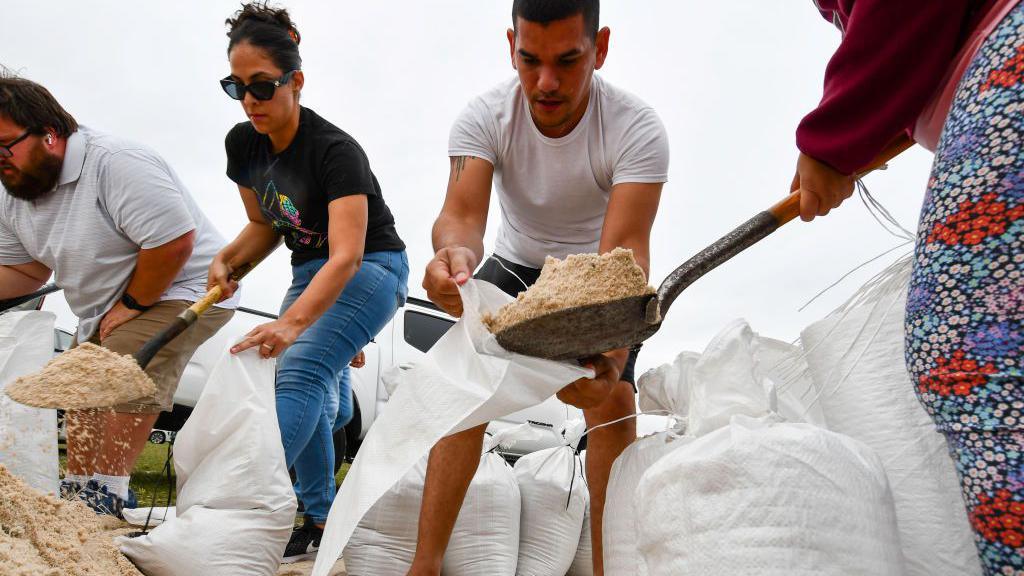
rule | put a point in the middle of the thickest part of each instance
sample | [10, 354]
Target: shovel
[586, 331]
[22, 390]
[19, 300]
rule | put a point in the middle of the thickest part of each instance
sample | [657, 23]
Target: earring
[49, 139]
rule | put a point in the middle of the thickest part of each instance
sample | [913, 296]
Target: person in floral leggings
[965, 312]
[965, 309]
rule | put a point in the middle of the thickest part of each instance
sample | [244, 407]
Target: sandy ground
[304, 568]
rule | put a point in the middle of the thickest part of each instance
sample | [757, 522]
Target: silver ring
[267, 346]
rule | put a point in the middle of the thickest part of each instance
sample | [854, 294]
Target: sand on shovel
[579, 280]
[88, 376]
[43, 536]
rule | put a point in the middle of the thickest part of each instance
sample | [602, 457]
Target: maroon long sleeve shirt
[892, 59]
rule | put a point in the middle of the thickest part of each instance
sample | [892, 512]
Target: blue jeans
[311, 375]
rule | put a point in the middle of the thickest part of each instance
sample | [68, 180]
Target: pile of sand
[579, 280]
[88, 376]
[43, 536]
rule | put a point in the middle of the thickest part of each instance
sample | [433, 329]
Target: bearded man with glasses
[129, 247]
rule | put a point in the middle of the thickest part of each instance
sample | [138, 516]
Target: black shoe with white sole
[304, 543]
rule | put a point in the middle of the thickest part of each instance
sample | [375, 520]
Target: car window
[423, 330]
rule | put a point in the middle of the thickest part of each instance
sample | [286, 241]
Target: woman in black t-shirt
[306, 181]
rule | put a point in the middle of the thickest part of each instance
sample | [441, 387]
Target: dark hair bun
[260, 13]
[268, 28]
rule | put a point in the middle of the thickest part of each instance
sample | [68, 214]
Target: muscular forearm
[253, 243]
[18, 280]
[451, 231]
[323, 290]
[157, 268]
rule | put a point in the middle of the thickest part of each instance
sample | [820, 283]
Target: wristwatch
[132, 303]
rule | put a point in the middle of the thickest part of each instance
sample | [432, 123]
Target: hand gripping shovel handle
[746, 235]
[19, 300]
[187, 318]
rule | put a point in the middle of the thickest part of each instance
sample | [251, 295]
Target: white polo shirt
[554, 192]
[113, 198]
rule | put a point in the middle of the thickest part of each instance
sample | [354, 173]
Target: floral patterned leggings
[965, 309]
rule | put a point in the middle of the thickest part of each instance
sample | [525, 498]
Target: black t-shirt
[322, 164]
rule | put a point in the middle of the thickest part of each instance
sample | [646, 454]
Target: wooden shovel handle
[789, 208]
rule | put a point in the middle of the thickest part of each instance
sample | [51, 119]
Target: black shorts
[506, 279]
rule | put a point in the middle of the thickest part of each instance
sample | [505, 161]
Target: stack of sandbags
[554, 502]
[750, 493]
[856, 359]
[485, 539]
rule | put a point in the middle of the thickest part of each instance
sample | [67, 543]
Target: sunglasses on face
[5, 149]
[260, 90]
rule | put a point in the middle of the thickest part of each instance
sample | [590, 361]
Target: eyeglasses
[5, 149]
[261, 90]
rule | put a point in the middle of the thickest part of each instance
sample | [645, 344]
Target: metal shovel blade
[582, 331]
[585, 331]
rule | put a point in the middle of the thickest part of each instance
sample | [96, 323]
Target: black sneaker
[102, 502]
[69, 490]
[304, 543]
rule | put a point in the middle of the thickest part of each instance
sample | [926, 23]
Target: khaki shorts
[167, 366]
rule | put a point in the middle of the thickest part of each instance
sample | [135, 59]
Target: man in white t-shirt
[578, 166]
[129, 247]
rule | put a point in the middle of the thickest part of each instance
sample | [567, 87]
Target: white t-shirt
[554, 192]
[113, 198]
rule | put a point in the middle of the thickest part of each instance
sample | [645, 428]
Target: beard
[34, 180]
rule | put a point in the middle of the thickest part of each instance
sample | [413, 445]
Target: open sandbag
[751, 494]
[554, 499]
[466, 379]
[28, 436]
[235, 506]
[856, 359]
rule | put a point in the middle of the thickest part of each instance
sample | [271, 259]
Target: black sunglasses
[260, 90]
[5, 149]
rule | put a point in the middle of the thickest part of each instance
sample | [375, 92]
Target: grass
[149, 477]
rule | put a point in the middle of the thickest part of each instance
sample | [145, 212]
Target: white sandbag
[485, 539]
[664, 389]
[856, 359]
[152, 516]
[750, 494]
[619, 535]
[235, 505]
[583, 562]
[766, 498]
[466, 379]
[554, 498]
[384, 542]
[28, 436]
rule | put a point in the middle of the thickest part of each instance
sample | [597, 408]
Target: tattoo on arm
[459, 163]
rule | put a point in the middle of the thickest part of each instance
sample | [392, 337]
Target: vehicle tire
[157, 437]
[353, 429]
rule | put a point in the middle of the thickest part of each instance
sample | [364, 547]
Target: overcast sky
[730, 80]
